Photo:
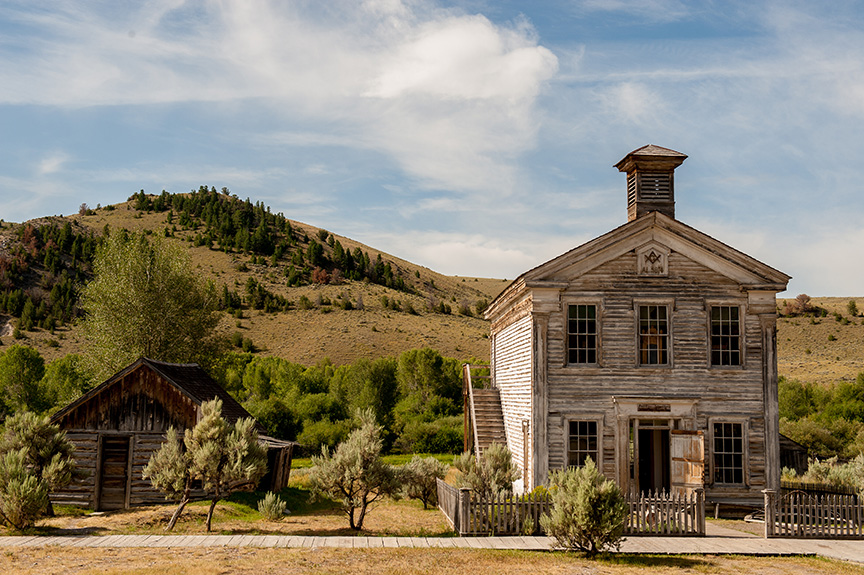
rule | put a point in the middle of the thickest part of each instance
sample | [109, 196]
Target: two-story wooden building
[650, 349]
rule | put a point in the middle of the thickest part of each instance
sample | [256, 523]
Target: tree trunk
[177, 513]
[210, 512]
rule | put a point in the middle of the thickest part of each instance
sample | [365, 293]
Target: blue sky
[473, 137]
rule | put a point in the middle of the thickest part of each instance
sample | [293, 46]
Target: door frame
[99, 453]
[629, 408]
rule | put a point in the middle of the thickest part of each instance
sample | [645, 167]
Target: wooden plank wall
[141, 401]
[689, 290]
[81, 492]
[512, 352]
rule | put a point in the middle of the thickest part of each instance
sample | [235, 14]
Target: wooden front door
[688, 461]
[114, 472]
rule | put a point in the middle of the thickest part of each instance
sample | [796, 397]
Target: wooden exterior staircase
[484, 420]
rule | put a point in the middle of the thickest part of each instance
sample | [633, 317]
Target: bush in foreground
[354, 474]
[490, 475]
[588, 512]
[272, 507]
[420, 479]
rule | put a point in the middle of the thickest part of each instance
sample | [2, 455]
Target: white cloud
[52, 163]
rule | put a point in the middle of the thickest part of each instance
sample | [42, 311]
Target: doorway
[113, 472]
[650, 461]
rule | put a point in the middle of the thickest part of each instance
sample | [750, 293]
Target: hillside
[306, 336]
[325, 329]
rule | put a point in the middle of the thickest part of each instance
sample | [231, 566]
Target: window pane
[582, 443]
[728, 453]
[582, 334]
[725, 336]
[653, 335]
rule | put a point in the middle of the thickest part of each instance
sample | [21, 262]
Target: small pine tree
[224, 457]
[588, 512]
[354, 474]
[48, 454]
[420, 479]
[852, 308]
[490, 475]
[169, 471]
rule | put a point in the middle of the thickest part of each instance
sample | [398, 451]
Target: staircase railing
[486, 382]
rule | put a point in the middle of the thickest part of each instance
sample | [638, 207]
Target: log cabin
[119, 424]
[650, 349]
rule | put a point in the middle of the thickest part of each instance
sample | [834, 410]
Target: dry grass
[396, 561]
[805, 353]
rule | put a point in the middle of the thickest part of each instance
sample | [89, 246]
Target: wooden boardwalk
[720, 541]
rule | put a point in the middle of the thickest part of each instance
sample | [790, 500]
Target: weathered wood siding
[82, 491]
[689, 290]
[513, 357]
[141, 401]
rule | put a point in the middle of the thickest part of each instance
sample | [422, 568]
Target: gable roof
[654, 226]
[190, 379]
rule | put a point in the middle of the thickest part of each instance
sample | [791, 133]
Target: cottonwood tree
[34, 448]
[354, 474]
[21, 370]
[225, 457]
[146, 300]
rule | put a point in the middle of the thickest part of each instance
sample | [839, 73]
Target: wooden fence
[800, 514]
[657, 514]
[664, 513]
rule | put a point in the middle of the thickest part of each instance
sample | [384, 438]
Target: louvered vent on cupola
[650, 180]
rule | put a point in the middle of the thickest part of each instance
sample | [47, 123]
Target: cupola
[650, 180]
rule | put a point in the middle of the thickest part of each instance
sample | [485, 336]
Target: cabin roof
[189, 378]
[656, 227]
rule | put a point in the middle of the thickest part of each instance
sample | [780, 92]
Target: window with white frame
[653, 335]
[581, 334]
[728, 446]
[582, 442]
[725, 335]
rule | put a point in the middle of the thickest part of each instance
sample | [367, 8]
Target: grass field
[393, 561]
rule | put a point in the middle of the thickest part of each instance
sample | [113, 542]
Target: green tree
[65, 379]
[588, 510]
[852, 308]
[354, 474]
[145, 300]
[21, 370]
[48, 454]
[22, 495]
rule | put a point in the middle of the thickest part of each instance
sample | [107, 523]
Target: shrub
[420, 479]
[588, 512]
[272, 507]
[354, 474]
[490, 475]
[852, 308]
[23, 496]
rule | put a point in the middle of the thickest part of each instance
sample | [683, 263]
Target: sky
[474, 137]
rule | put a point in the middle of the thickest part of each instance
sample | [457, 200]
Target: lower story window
[728, 453]
[582, 443]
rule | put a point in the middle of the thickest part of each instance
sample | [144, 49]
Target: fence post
[463, 511]
[699, 492]
[770, 516]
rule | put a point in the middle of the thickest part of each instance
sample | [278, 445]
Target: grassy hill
[326, 329]
[390, 321]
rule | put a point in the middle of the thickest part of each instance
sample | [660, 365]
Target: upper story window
[725, 335]
[653, 335]
[582, 334]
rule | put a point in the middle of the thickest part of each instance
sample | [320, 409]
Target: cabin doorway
[114, 473]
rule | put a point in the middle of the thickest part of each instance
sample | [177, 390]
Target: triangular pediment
[652, 238]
